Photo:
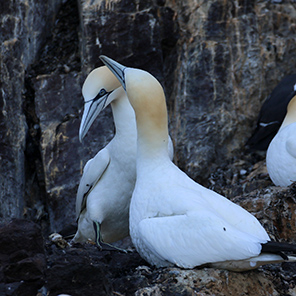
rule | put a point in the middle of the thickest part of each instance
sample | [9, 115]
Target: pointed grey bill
[116, 68]
[92, 108]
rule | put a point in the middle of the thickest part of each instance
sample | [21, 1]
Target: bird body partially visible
[281, 157]
[114, 170]
[272, 113]
[281, 153]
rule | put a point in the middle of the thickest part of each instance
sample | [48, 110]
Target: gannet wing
[196, 238]
[291, 146]
[92, 172]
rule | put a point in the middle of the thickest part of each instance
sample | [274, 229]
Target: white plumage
[174, 220]
[281, 153]
[108, 179]
[188, 225]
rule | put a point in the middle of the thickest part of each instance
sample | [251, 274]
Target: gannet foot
[100, 244]
[107, 247]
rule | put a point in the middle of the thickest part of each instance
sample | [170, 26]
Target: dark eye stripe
[94, 101]
[101, 93]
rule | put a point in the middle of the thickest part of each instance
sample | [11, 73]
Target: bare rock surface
[23, 259]
[24, 28]
[217, 90]
[58, 113]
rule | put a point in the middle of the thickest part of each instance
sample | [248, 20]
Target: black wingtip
[262, 136]
[279, 248]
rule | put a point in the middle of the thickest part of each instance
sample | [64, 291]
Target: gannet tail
[278, 248]
[272, 252]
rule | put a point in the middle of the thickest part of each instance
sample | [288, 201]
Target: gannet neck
[291, 113]
[123, 115]
[148, 100]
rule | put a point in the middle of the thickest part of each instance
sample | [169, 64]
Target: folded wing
[197, 238]
[92, 173]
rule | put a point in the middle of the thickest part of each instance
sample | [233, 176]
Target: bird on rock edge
[281, 153]
[107, 183]
[272, 113]
[174, 220]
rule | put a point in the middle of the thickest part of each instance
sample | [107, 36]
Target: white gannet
[107, 183]
[281, 153]
[272, 113]
[174, 220]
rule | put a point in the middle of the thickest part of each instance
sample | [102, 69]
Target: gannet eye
[102, 92]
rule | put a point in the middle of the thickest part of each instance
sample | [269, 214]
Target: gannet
[107, 183]
[281, 153]
[272, 113]
[173, 219]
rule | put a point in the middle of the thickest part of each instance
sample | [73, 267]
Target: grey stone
[229, 61]
[24, 27]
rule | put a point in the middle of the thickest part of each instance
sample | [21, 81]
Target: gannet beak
[92, 108]
[116, 68]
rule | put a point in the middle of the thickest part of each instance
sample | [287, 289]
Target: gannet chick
[281, 153]
[107, 183]
[174, 220]
[272, 113]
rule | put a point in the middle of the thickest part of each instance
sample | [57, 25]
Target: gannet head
[291, 113]
[145, 94]
[117, 69]
[96, 91]
[292, 106]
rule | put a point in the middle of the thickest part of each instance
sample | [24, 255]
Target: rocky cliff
[217, 60]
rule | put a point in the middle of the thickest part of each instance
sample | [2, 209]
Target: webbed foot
[100, 244]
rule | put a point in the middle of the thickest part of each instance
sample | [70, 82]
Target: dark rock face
[13, 129]
[229, 61]
[136, 33]
[92, 272]
[23, 29]
[22, 256]
[58, 115]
